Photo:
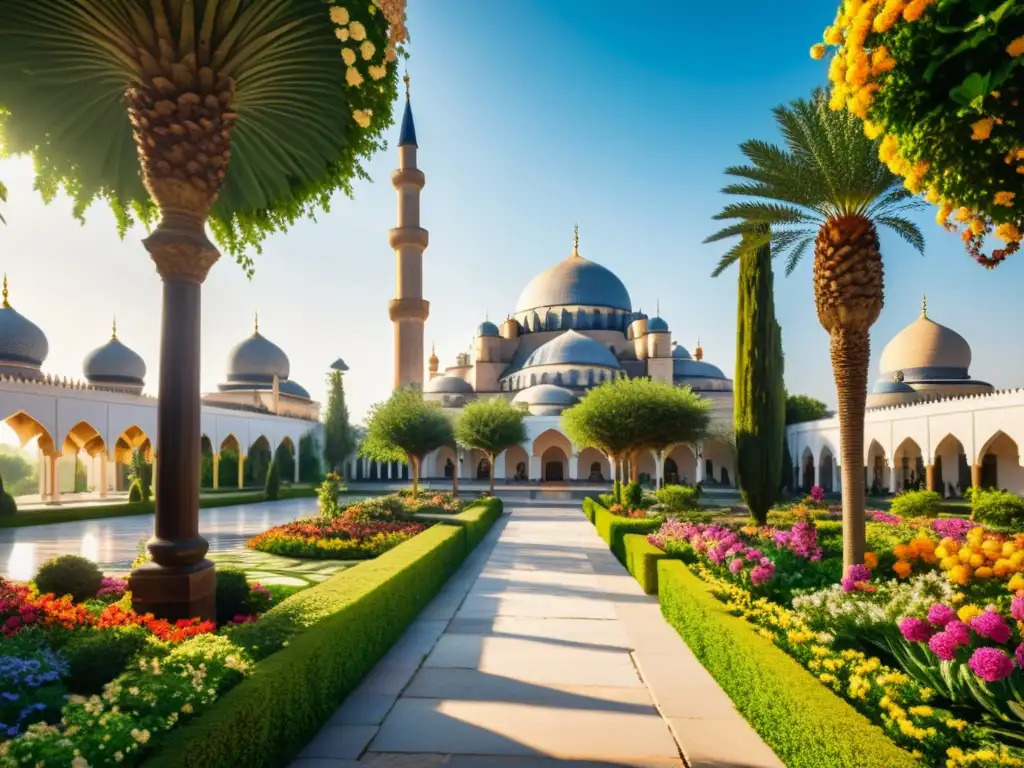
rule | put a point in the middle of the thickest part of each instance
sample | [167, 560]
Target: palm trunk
[490, 489]
[851, 352]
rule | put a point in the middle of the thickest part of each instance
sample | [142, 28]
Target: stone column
[613, 466]
[817, 473]
[976, 476]
[536, 471]
[837, 477]
[929, 477]
[574, 467]
[103, 474]
[55, 479]
[241, 471]
[499, 465]
[41, 470]
[659, 476]
[295, 479]
[699, 475]
[893, 484]
[216, 471]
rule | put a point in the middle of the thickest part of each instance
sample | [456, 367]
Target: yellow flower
[977, 227]
[982, 129]
[872, 130]
[377, 72]
[1016, 48]
[888, 16]
[1004, 198]
[1008, 233]
[888, 148]
[358, 31]
[914, 10]
[921, 711]
[968, 612]
[341, 33]
[881, 61]
[339, 15]
[367, 49]
[817, 51]
[362, 117]
[348, 56]
[352, 77]
[834, 36]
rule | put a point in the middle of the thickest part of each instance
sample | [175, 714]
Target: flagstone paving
[282, 571]
[541, 651]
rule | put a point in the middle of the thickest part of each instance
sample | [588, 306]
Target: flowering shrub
[885, 518]
[334, 538]
[916, 504]
[327, 494]
[436, 502]
[817, 494]
[937, 80]
[30, 689]
[112, 589]
[983, 556]
[955, 528]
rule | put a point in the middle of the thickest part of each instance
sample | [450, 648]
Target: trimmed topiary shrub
[273, 487]
[69, 575]
[916, 504]
[96, 657]
[999, 509]
[633, 496]
[135, 492]
[613, 528]
[232, 594]
[642, 561]
[678, 498]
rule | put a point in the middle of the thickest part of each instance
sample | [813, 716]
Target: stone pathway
[541, 651]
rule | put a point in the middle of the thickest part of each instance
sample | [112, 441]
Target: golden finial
[7, 304]
[113, 330]
[924, 305]
[657, 307]
[698, 353]
[576, 240]
[405, 79]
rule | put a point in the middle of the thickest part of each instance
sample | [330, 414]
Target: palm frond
[798, 253]
[764, 213]
[906, 229]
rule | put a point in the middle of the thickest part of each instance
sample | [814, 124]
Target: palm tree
[240, 115]
[826, 186]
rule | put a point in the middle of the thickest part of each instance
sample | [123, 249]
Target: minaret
[408, 310]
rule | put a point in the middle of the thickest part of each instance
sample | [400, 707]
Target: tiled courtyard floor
[541, 651]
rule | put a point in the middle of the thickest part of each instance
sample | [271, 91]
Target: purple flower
[944, 645]
[817, 494]
[856, 574]
[112, 586]
[916, 630]
[886, 518]
[736, 566]
[991, 625]
[958, 631]
[1017, 608]
[952, 527]
[940, 615]
[991, 664]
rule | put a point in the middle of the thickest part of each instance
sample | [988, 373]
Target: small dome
[925, 344]
[487, 328]
[21, 341]
[572, 348]
[448, 385]
[657, 325]
[545, 399]
[687, 368]
[114, 363]
[574, 282]
[680, 353]
[257, 356]
[289, 387]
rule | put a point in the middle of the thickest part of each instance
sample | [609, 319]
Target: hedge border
[105, 511]
[642, 561]
[613, 528]
[477, 519]
[806, 724]
[270, 717]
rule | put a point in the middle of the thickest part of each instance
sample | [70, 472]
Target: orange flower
[818, 51]
[902, 568]
[1016, 47]
[871, 560]
[1004, 198]
[982, 129]
[917, 7]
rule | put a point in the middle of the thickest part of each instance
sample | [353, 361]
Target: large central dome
[574, 282]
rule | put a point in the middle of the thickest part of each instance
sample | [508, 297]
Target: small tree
[273, 486]
[339, 439]
[406, 428]
[626, 416]
[139, 474]
[309, 458]
[800, 408]
[492, 426]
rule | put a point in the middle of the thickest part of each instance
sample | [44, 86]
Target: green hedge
[477, 519]
[613, 528]
[802, 721]
[642, 561]
[72, 514]
[590, 508]
[335, 633]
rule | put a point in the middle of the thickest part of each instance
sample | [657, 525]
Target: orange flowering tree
[941, 82]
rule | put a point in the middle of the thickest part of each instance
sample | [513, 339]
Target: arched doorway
[555, 465]
[908, 463]
[680, 466]
[878, 473]
[517, 463]
[483, 469]
[827, 462]
[1000, 463]
[718, 463]
[593, 466]
[807, 466]
[952, 472]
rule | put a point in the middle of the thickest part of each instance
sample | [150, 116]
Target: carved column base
[184, 592]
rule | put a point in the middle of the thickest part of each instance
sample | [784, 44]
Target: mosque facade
[929, 423]
[104, 416]
[573, 328]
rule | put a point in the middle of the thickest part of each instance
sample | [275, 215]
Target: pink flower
[1019, 654]
[991, 664]
[736, 566]
[944, 646]
[916, 630]
[762, 574]
[958, 631]
[940, 615]
[1017, 608]
[817, 494]
[991, 625]
[857, 574]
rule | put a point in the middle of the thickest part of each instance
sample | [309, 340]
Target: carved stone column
[179, 582]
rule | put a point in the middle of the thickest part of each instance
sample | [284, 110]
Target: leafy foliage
[828, 170]
[309, 458]
[273, 486]
[339, 439]
[678, 498]
[942, 83]
[69, 575]
[66, 65]
[801, 408]
[997, 508]
[626, 415]
[493, 426]
[910, 504]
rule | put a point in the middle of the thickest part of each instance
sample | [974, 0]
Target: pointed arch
[229, 443]
[84, 437]
[593, 466]
[551, 438]
[28, 429]
[1000, 462]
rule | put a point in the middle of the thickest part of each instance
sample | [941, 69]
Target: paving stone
[534, 606]
[364, 706]
[324, 762]
[339, 741]
[595, 633]
[682, 688]
[730, 743]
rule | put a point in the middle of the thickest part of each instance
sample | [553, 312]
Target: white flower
[367, 49]
[352, 77]
[358, 31]
[348, 56]
[339, 15]
[341, 33]
[362, 117]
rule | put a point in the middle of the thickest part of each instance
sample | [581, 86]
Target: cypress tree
[339, 440]
[759, 395]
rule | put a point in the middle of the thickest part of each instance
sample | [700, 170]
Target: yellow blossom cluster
[982, 556]
[982, 758]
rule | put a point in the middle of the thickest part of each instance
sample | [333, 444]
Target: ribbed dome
[657, 325]
[574, 282]
[21, 340]
[448, 385]
[546, 394]
[257, 356]
[487, 328]
[572, 348]
[925, 344]
[114, 363]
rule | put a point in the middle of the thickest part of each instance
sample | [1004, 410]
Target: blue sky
[531, 115]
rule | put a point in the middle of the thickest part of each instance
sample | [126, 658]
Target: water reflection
[113, 543]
